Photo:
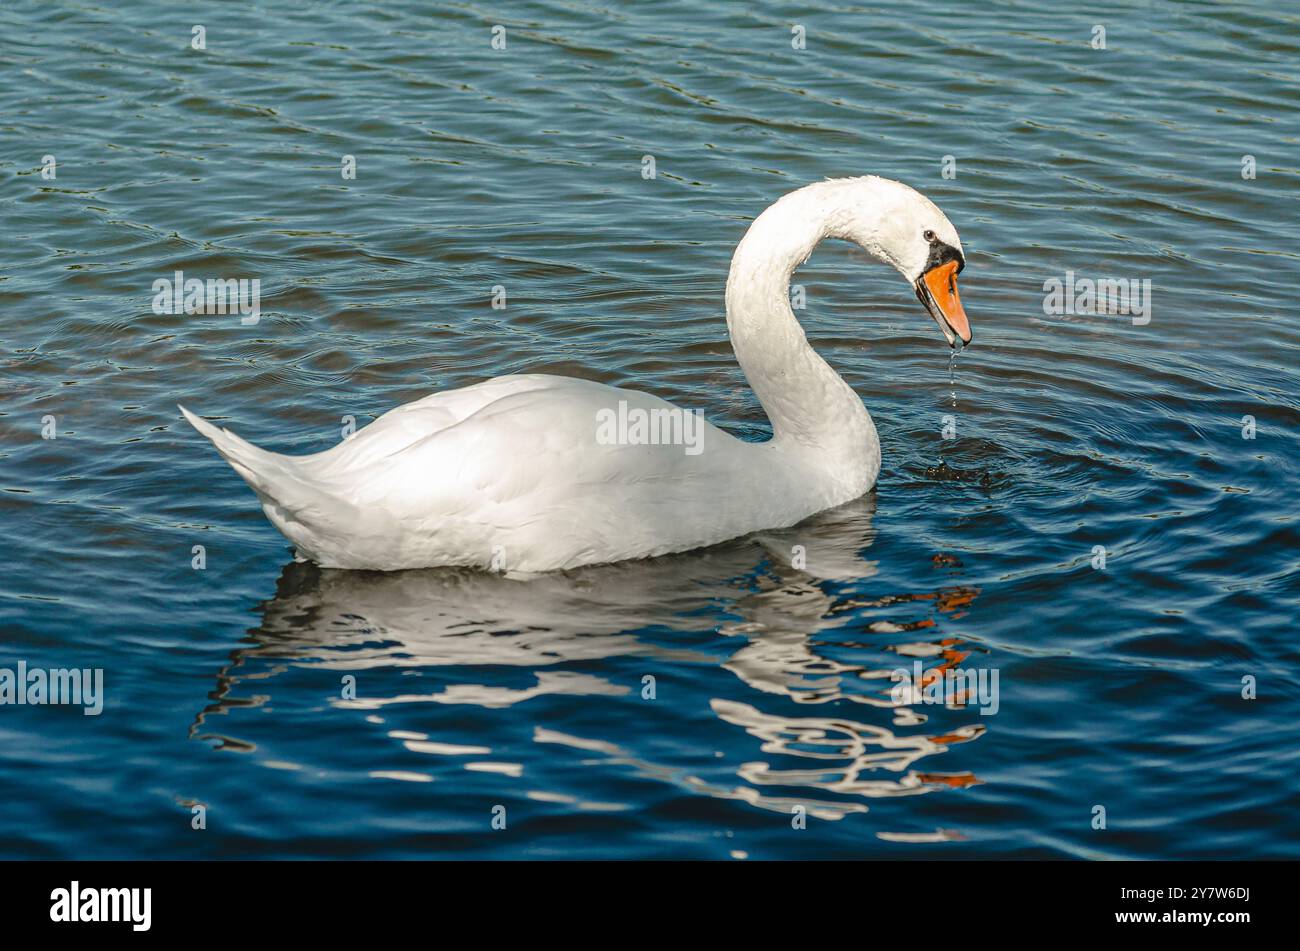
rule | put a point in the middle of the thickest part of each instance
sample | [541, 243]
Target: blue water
[1121, 686]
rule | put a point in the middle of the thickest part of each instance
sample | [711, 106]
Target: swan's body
[513, 474]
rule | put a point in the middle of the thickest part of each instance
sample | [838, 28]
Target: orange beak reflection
[937, 290]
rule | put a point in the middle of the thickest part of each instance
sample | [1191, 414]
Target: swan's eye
[929, 236]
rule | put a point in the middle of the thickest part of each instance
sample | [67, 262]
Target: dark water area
[1170, 442]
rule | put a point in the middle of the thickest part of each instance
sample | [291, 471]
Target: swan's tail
[299, 507]
[306, 509]
[265, 471]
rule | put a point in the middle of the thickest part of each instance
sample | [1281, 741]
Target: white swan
[525, 473]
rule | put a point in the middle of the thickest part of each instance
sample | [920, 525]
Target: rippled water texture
[1120, 687]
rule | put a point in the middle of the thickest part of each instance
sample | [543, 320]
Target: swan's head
[902, 227]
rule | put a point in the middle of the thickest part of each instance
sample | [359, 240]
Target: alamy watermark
[192, 295]
[661, 426]
[37, 686]
[974, 686]
[77, 904]
[1105, 297]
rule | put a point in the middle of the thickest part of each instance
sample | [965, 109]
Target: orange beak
[937, 290]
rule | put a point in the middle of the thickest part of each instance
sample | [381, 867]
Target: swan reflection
[765, 609]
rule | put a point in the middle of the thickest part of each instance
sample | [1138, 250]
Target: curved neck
[807, 401]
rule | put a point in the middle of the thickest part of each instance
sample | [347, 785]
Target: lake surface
[1119, 687]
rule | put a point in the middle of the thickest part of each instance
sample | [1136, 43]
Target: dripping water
[952, 375]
